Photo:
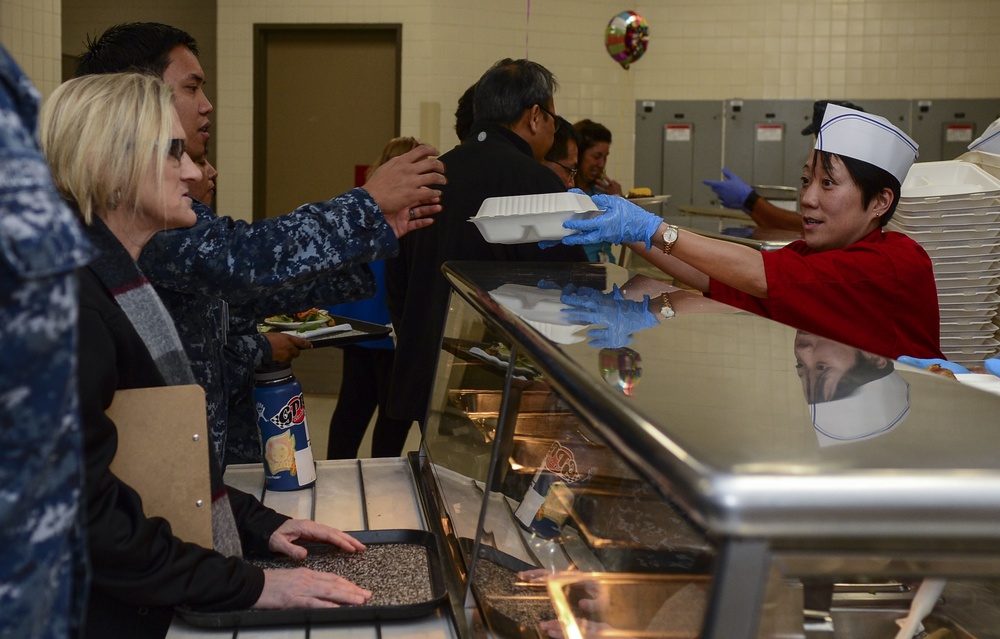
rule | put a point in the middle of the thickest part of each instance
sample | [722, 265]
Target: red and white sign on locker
[679, 132]
[770, 132]
[958, 133]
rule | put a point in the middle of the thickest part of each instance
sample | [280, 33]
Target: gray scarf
[135, 295]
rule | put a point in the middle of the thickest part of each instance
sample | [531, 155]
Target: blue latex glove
[621, 222]
[958, 369]
[732, 191]
[993, 366]
[620, 317]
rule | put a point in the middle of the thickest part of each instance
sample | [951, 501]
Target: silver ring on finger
[413, 214]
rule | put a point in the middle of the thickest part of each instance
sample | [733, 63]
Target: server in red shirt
[848, 279]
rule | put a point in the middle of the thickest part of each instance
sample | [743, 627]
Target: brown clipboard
[163, 454]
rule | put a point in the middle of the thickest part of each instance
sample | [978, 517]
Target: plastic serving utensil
[923, 603]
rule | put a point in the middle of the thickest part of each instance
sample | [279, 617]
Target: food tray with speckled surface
[402, 568]
[513, 608]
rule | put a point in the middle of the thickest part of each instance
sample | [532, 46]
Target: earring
[115, 200]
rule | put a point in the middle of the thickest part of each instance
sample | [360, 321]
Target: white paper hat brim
[874, 409]
[989, 141]
[866, 137]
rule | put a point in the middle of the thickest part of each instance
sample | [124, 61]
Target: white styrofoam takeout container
[542, 308]
[950, 184]
[519, 219]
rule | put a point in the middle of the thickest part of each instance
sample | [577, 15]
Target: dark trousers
[363, 389]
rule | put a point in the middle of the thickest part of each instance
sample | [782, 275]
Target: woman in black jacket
[117, 153]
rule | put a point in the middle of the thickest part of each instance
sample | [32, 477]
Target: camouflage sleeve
[43, 549]
[242, 262]
[346, 285]
[253, 349]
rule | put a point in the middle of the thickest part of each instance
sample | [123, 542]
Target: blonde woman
[117, 153]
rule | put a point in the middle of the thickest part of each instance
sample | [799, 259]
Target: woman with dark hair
[593, 149]
[846, 279]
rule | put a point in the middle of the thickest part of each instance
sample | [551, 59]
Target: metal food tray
[630, 605]
[247, 618]
[535, 596]
[361, 331]
[484, 403]
[462, 349]
[637, 531]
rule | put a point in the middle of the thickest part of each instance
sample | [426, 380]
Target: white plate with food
[520, 219]
[305, 321]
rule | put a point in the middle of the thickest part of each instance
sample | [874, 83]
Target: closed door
[326, 101]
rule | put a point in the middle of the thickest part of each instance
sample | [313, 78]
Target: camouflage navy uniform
[42, 546]
[315, 255]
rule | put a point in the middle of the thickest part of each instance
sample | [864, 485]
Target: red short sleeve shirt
[877, 294]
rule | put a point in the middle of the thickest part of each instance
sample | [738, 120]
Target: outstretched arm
[693, 259]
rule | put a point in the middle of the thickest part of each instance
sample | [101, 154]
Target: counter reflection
[852, 394]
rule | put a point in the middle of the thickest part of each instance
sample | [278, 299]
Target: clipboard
[163, 454]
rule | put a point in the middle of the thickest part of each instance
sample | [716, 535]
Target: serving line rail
[352, 495]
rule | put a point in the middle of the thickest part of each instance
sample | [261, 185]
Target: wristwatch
[666, 308]
[669, 237]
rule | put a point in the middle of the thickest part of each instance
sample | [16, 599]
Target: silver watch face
[670, 235]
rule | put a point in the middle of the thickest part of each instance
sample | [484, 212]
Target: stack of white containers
[952, 209]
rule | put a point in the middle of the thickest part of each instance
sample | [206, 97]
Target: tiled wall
[699, 49]
[87, 19]
[30, 30]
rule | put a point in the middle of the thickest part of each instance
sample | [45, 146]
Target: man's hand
[282, 540]
[285, 348]
[731, 191]
[404, 188]
[305, 588]
[402, 222]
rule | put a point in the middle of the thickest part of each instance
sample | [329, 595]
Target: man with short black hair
[563, 156]
[315, 255]
[515, 123]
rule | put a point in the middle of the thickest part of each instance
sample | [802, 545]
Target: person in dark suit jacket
[514, 126]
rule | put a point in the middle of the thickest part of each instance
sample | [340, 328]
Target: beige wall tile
[30, 31]
[699, 49]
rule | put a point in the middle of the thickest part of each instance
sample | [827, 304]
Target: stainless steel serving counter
[716, 419]
[352, 495]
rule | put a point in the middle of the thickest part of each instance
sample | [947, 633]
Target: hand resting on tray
[302, 587]
[305, 588]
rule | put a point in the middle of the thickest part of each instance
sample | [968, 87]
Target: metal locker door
[764, 144]
[677, 145]
[944, 128]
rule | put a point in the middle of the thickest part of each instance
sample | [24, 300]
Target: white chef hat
[989, 141]
[873, 409]
[866, 137]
